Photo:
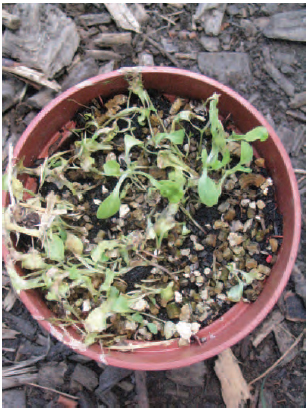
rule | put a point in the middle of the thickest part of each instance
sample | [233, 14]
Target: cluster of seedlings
[152, 220]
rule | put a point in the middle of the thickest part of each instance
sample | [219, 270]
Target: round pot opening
[242, 318]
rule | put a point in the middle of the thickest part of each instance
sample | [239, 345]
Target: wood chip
[274, 318]
[297, 115]
[284, 341]
[10, 21]
[103, 55]
[235, 390]
[123, 17]
[33, 76]
[8, 334]
[299, 141]
[298, 100]
[279, 78]
[113, 39]
[9, 300]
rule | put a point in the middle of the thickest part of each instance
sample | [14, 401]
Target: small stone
[264, 269]
[178, 297]
[173, 311]
[198, 247]
[210, 240]
[235, 239]
[199, 281]
[124, 210]
[260, 162]
[223, 235]
[204, 294]
[223, 207]
[251, 213]
[252, 205]
[260, 236]
[251, 263]
[245, 202]
[237, 226]
[210, 43]
[220, 224]
[229, 185]
[253, 248]
[85, 376]
[230, 214]
[274, 244]
[227, 254]
[238, 251]
[295, 310]
[185, 252]
[261, 204]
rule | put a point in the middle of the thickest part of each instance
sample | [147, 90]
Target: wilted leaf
[109, 277]
[54, 248]
[33, 261]
[167, 294]
[74, 244]
[171, 189]
[258, 133]
[130, 142]
[176, 137]
[236, 292]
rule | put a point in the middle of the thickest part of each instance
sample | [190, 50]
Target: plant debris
[113, 235]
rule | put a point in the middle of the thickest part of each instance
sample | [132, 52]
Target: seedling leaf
[112, 168]
[258, 133]
[130, 142]
[209, 191]
[176, 137]
[54, 248]
[110, 206]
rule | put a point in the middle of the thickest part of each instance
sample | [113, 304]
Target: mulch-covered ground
[250, 47]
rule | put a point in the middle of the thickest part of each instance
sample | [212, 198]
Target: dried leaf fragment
[248, 180]
[123, 17]
[235, 390]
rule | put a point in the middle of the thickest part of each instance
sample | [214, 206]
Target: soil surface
[267, 67]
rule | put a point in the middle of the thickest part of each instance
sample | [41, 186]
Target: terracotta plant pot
[242, 318]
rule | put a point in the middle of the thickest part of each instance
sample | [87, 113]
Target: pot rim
[234, 314]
